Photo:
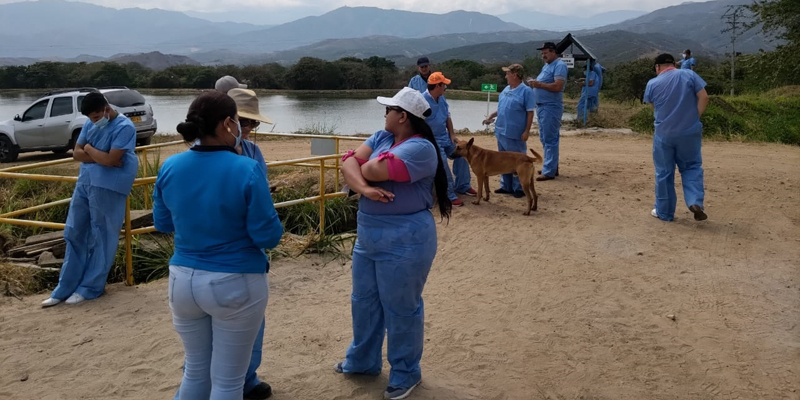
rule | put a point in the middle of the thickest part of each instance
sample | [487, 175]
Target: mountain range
[150, 36]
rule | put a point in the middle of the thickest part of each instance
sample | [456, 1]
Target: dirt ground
[574, 302]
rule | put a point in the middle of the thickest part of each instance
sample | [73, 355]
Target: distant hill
[609, 47]
[154, 60]
[560, 23]
[357, 22]
[699, 22]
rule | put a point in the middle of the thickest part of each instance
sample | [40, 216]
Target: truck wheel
[8, 151]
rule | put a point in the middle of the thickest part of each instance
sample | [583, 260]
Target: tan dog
[485, 163]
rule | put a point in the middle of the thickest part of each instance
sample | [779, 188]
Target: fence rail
[145, 181]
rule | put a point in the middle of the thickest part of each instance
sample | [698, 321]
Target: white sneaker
[50, 302]
[654, 213]
[75, 299]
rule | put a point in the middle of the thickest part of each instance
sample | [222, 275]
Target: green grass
[771, 117]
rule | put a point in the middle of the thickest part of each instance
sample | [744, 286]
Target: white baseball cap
[226, 83]
[410, 100]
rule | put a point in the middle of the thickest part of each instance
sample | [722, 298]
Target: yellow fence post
[336, 181]
[128, 250]
[145, 188]
[322, 197]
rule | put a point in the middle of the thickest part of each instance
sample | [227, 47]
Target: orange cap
[436, 78]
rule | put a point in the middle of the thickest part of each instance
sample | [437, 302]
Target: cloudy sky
[280, 11]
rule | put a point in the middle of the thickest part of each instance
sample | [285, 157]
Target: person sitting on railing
[219, 207]
[106, 150]
[397, 171]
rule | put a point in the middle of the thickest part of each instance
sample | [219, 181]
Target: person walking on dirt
[679, 97]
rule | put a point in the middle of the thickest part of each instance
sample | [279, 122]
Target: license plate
[136, 119]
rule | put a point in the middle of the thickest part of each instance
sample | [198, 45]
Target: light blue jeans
[217, 316]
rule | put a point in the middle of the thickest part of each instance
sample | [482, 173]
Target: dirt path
[569, 303]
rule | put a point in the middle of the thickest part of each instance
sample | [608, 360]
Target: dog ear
[471, 141]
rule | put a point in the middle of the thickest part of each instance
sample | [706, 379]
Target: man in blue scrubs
[420, 82]
[679, 98]
[549, 92]
[105, 148]
[442, 126]
[588, 101]
[688, 62]
[514, 118]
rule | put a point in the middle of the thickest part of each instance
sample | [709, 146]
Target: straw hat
[247, 104]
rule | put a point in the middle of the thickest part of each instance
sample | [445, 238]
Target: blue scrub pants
[510, 182]
[251, 379]
[391, 260]
[683, 151]
[461, 182]
[594, 103]
[92, 235]
[549, 117]
[218, 317]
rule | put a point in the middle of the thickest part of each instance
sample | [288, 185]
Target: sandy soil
[573, 302]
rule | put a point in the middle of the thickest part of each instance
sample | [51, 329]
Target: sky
[281, 11]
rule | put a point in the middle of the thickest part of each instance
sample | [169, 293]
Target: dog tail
[536, 156]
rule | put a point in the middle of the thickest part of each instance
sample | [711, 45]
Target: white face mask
[239, 136]
[684, 56]
[102, 122]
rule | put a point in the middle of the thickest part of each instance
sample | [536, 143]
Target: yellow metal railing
[146, 181]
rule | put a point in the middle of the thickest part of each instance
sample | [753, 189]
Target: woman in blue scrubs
[397, 171]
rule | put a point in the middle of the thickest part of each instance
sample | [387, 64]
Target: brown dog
[485, 163]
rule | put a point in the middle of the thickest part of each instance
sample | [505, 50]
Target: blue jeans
[510, 182]
[683, 151]
[549, 117]
[92, 235]
[391, 260]
[461, 182]
[218, 316]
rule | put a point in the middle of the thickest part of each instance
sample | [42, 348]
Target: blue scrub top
[119, 134]
[440, 112]
[251, 150]
[591, 90]
[688, 63]
[598, 70]
[674, 95]
[420, 159]
[512, 111]
[552, 72]
[418, 84]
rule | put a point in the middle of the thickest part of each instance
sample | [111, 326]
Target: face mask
[102, 122]
[684, 56]
[239, 136]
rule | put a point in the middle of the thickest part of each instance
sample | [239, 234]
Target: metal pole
[488, 102]
[322, 197]
[733, 52]
[145, 188]
[128, 249]
[336, 162]
[586, 103]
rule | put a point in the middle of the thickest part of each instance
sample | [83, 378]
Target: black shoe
[502, 191]
[699, 213]
[545, 178]
[519, 194]
[262, 391]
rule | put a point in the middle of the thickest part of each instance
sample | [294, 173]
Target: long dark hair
[206, 112]
[440, 180]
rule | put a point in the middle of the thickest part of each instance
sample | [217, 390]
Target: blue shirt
[598, 70]
[512, 111]
[219, 206]
[674, 95]
[551, 72]
[251, 150]
[590, 91]
[440, 112]
[688, 63]
[119, 134]
[418, 83]
[420, 159]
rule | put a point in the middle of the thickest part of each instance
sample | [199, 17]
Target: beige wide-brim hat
[247, 105]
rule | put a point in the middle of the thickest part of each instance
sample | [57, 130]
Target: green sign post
[488, 88]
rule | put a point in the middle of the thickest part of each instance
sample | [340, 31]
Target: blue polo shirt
[119, 134]
[418, 83]
[512, 111]
[420, 159]
[688, 63]
[440, 112]
[551, 72]
[219, 206]
[674, 95]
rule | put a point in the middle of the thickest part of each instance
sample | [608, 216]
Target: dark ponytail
[440, 180]
[206, 112]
